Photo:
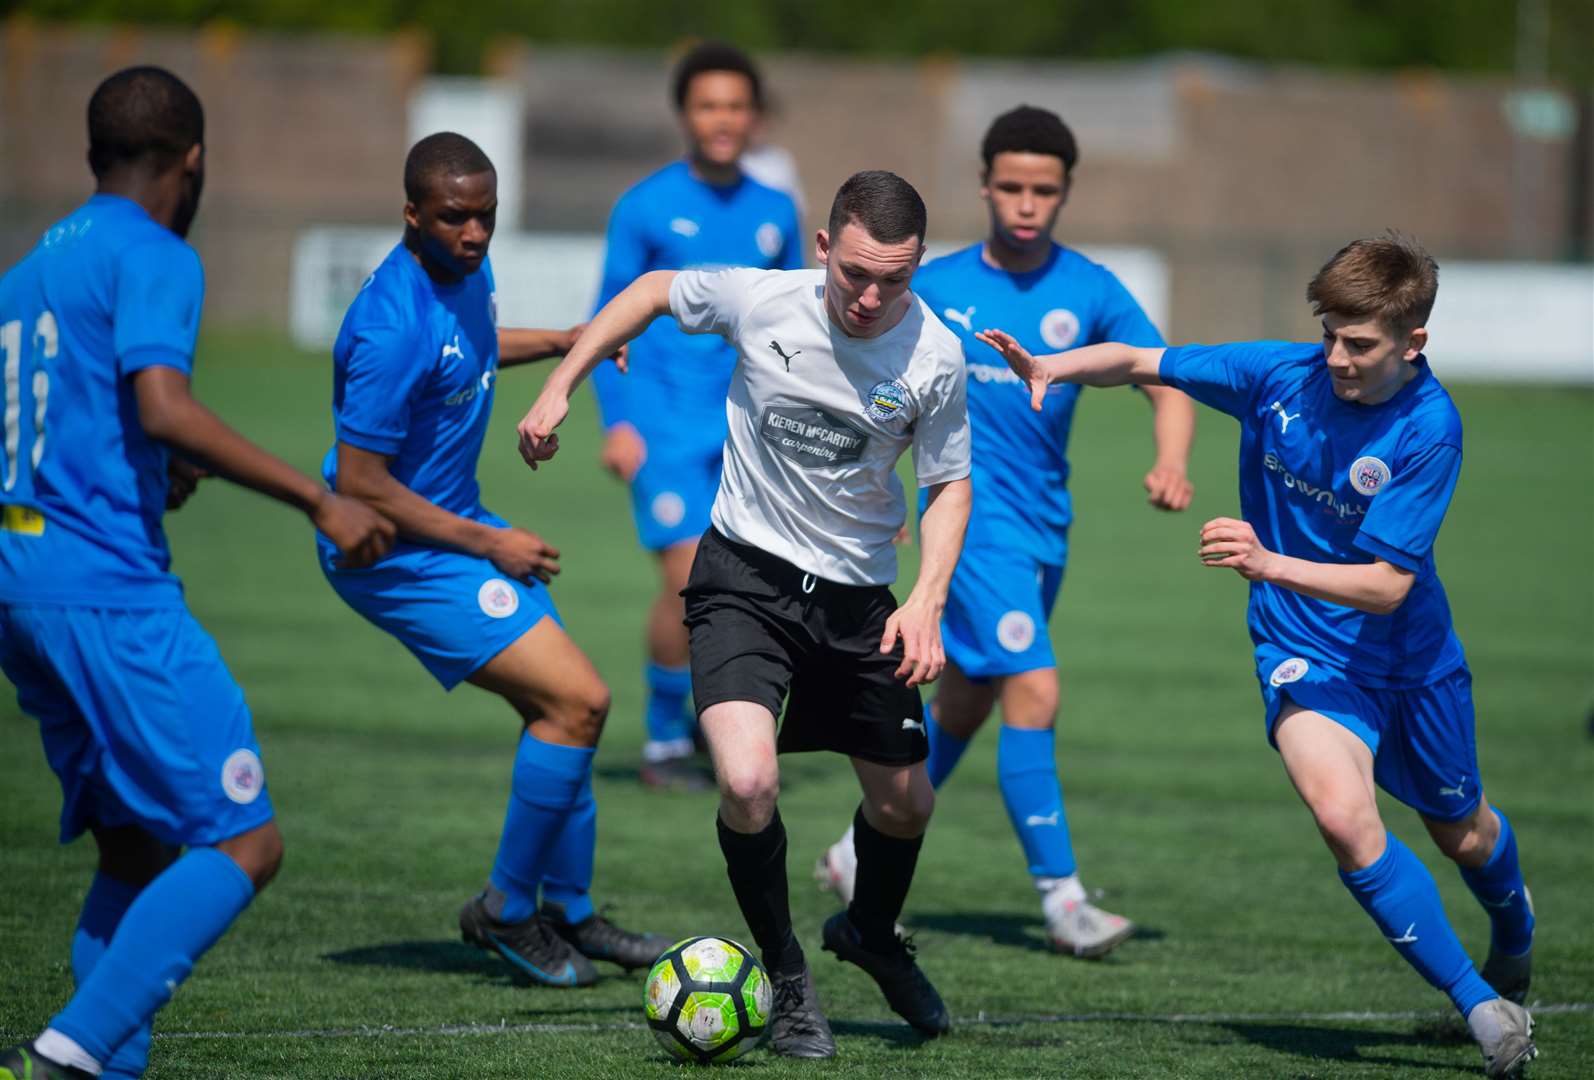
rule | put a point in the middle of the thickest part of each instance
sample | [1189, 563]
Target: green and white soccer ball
[708, 1000]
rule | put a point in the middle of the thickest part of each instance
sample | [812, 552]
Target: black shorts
[760, 627]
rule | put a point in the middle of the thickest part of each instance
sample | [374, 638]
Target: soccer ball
[708, 1000]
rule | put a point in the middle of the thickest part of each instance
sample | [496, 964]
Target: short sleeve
[941, 433]
[160, 289]
[1404, 518]
[383, 368]
[1123, 319]
[1220, 376]
[711, 302]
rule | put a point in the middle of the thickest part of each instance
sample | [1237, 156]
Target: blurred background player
[664, 422]
[839, 372]
[142, 722]
[1350, 450]
[414, 371]
[1007, 579]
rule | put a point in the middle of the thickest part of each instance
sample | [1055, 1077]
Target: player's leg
[1026, 771]
[552, 684]
[1436, 773]
[889, 832]
[143, 680]
[1331, 768]
[667, 753]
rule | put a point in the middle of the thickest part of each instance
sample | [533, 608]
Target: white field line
[977, 1020]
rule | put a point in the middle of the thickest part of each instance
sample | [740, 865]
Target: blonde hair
[1391, 278]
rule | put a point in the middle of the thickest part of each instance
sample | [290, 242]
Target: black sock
[756, 865]
[885, 870]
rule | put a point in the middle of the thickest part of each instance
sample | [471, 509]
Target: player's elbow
[1393, 588]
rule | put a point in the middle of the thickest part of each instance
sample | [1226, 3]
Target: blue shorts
[673, 492]
[997, 609]
[1422, 740]
[454, 611]
[141, 721]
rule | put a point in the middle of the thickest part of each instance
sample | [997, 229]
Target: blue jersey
[1020, 457]
[106, 293]
[1338, 482]
[674, 221]
[413, 372]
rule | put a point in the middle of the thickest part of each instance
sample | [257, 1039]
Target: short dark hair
[1028, 130]
[446, 153]
[142, 115]
[1391, 278]
[884, 204]
[714, 56]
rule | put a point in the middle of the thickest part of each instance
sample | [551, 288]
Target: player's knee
[1355, 835]
[751, 789]
[905, 813]
[257, 852]
[1469, 841]
[581, 716]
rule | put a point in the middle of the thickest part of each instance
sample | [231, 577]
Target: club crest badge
[1016, 631]
[498, 599]
[1368, 474]
[668, 509]
[242, 776]
[886, 400]
[1059, 328]
[1291, 670]
[769, 239]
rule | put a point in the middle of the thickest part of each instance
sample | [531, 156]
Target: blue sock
[163, 932]
[568, 881]
[1498, 886]
[1026, 769]
[945, 749]
[668, 689]
[543, 790]
[103, 908]
[1400, 894]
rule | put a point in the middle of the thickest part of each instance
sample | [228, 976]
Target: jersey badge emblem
[964, 318]
[242, 776]
[1368, 474]
[498, 599]
[1291, 670]
[684, 226]
[668, 509]
[769, 239]
[886, 400]
[780, 352]
[1059, 328]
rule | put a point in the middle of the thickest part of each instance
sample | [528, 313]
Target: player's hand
[919, 627]
[1168, 488]
[621, 356]
[903, 536]
[1233, 543]
[182, 478]
[537, 439]
[522, 554]
[624, 451]
[361, 534]
[1026, 367]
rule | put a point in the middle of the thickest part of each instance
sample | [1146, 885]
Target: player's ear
[194, 157]
[1416, 342]
[1068, 185]
[822, 247]
[412, 215]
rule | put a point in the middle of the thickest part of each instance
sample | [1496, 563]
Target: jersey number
[46, 343]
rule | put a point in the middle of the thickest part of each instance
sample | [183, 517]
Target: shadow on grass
[1347, 1044]
[1018, 931]
[894, 1035]
[453, 958]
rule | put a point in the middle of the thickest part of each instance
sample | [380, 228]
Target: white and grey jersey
[818, 419]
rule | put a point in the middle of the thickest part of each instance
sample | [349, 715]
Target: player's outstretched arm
[620, 320]
[918, 621]
[169, 413]
[527, 346]
[1107, 364]
[1377, 588]
[1173, 422]
[365, 475]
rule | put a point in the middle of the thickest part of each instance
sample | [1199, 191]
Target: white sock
[1067, 890]
[63, 1050]
[654, 751]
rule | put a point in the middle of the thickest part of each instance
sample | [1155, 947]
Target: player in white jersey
[839, 371]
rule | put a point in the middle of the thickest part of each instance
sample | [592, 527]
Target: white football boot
[1504, 1032]
[1077, 926]
[837, 868]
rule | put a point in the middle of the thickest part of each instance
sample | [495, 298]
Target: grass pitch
[1253, 960]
